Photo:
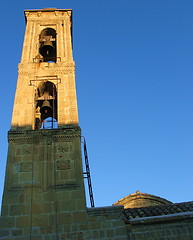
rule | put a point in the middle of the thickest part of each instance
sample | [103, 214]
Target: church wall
[105, 223]
[172, 227]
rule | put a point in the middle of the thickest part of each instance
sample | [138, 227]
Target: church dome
[138, 199]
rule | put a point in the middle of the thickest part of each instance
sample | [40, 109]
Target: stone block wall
[44, 197]
[171, 227]
[104, 223]
[107, 223]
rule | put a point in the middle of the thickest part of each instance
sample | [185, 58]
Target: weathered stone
[4, 233]
[17, 233]
[23, 222]
[7, 222]
[65, 218]
[79, 217]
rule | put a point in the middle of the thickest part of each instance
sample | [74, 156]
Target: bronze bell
[47, 49]
[46, 108]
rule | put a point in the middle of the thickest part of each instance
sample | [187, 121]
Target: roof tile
[158, 210]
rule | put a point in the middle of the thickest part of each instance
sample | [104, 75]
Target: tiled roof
[158, 210]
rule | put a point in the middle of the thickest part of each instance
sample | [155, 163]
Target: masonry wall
[107, 223]
[44, 195]
[176, 227]
[104, 223]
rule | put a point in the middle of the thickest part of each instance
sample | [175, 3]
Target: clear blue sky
[134, 74]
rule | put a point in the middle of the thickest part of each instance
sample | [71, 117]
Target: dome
[138, 199]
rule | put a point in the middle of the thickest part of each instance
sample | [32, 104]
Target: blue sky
[134, 71]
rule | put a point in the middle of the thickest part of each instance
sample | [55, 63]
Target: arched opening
[46, 105]
[49, 123]
[47, 49]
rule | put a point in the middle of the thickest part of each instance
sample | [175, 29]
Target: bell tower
[46, 85]
[44, 188]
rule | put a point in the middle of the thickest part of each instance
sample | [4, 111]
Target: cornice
[47, 70]
[48, 13]
[35, 136]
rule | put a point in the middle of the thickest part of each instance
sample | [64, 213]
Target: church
[44, 192]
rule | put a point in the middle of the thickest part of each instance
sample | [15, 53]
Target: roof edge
[163, 218]
[46, 10]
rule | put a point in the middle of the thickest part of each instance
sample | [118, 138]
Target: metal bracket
[87, 173]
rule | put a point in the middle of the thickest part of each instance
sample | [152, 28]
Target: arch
[47, 41]
[45, 103]
[46, 88]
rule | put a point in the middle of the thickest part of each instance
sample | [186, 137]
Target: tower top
[46, 89]
[39, 12]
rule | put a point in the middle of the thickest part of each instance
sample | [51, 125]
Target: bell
[46, 108]
[47, 49]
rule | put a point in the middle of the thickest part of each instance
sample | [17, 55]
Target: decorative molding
[33, 136]
[46, 14]
[65, 71]
[25, 167]
[26, 14]
[49, 71]
[63, 149]
[26, 73]
[27, 150]
[63, 165]
[39, 14]
[69, 13]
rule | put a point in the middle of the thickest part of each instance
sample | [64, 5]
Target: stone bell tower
[44, 187]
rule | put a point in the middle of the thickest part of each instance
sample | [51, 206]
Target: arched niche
[47, 45]
[45, 103]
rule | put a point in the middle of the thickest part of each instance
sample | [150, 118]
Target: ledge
[98, 211]
[161, 219]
